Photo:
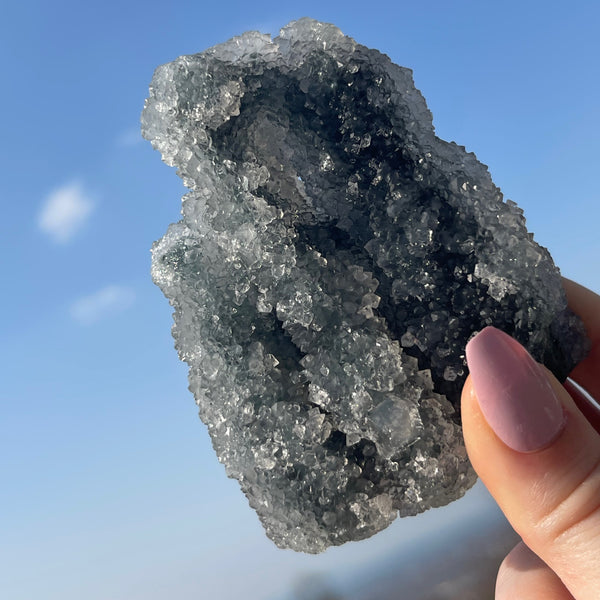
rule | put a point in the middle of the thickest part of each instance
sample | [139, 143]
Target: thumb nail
[513, 391]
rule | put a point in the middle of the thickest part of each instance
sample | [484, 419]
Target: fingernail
[514, 393]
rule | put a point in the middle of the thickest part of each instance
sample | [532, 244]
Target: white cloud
[65, 211]
[103, 303]
[130, 137]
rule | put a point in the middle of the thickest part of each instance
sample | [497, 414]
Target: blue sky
[110, 489]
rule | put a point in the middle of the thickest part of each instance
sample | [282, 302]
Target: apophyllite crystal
[333, 258]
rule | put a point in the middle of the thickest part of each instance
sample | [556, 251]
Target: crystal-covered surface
[333, 258]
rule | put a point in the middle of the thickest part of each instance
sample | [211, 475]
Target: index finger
[586, 305]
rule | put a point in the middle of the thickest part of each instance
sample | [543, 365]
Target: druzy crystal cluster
[333, 258]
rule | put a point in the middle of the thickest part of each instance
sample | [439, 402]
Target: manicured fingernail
[514, 393]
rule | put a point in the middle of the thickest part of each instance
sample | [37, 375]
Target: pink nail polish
[514, 393]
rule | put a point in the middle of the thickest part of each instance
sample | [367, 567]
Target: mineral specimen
[333, 259]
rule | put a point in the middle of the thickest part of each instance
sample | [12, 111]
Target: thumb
[537, 455]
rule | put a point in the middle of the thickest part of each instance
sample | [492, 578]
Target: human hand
[535, 444]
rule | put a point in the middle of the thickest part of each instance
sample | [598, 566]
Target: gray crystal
[333, 258]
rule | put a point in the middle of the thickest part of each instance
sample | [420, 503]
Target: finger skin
[524, 576]
[586, 304]
[552, 496]
[588, 407]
